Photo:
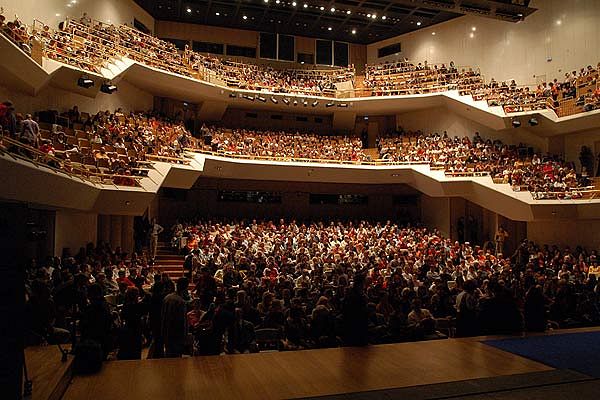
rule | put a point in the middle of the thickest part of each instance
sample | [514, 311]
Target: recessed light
[558, 22]
[189, 10]
[266, 1]
[217, 13]
[57, 15]
[418, 23]
[294, 4]
[384, 17]
[348, 12]
[368, 15]
[329, 28]
[474, 28]
[374, 16]
[305, 5]
[321, 8]
[471, 35]
[433, 33]
[354, 31]
[277, 2]
[245, 17]
[332, 9]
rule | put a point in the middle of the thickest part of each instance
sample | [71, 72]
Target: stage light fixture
[533, 122]
[304, 103]
[328, 105]
[251, 98]
[108, 88]
[295, 102]
[286, 101]
[263, 99]
[315, 103]
[343, 105]
[85, 83]
[232, 95]
[274, 100]
[516, 123]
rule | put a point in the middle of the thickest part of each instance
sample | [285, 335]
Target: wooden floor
[49, 374]
[302, 373]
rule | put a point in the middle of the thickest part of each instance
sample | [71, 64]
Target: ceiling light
[295, 102]
[251, 98]
[332, 9]
[263, 99]
[315, 103]
[533, 122]
[374, 16]
[232, 95]
[329, 28]
[471, 35]
[277, 2]
[558, 22]
[474, 29]
[384, 17]
[348, 12]
[244, 17]
[286, 101]
[305, 5]
[294, 4]
[266, 1]
[433, 33]
[321, 8]
[273, 99]
[354, 31]
[217, 13]
[516, 123]
[368, 15]
[343, 105]
[519, 15]
[418, 23]
[329, 105]
[85, 82]
[189, 10]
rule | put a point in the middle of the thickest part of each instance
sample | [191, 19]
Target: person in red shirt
[124, 279]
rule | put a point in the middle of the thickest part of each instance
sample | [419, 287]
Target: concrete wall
[74, 230]
[51, 12]
[202, 201]
[128, 97]
[566, 233]
[565, 32]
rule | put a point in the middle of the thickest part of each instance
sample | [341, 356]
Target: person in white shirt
[154, 232]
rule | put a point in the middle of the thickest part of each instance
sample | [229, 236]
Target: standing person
[155, 230]
[500, 238]
[130, 338]
[8, 119]
[355, 314]
[174, 321]
[30, 131]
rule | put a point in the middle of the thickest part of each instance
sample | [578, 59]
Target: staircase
[168, 261]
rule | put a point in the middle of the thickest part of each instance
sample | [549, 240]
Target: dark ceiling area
[354, 21]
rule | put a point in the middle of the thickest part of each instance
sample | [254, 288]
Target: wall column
[127, 234]
[115, 231]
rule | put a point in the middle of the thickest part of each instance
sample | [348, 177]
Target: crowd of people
[580, 86]
[114, 145]
[546, 176]
[306, 285]
[404, 77]
[282, 145]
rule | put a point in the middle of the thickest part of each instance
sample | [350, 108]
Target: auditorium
[313, 199]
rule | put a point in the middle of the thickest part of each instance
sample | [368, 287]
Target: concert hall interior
[313, 199]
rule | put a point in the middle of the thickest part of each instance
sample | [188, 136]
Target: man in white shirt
[154, 232]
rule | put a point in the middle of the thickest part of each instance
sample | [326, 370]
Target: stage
[433, 369]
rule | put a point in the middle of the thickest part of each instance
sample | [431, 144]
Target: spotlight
[274, 100]
[108, 88]
[516, 123]
[295, 102]
[264, 100]
[286, 101]
[251, 98]
[85, 83]
[304, 103]
[232, 95]
[343, 105]
[328, 105]
[315, 103]
[533, 122]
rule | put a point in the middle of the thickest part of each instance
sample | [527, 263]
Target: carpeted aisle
[576, 351]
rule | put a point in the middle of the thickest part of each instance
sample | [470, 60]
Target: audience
[309, 285]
